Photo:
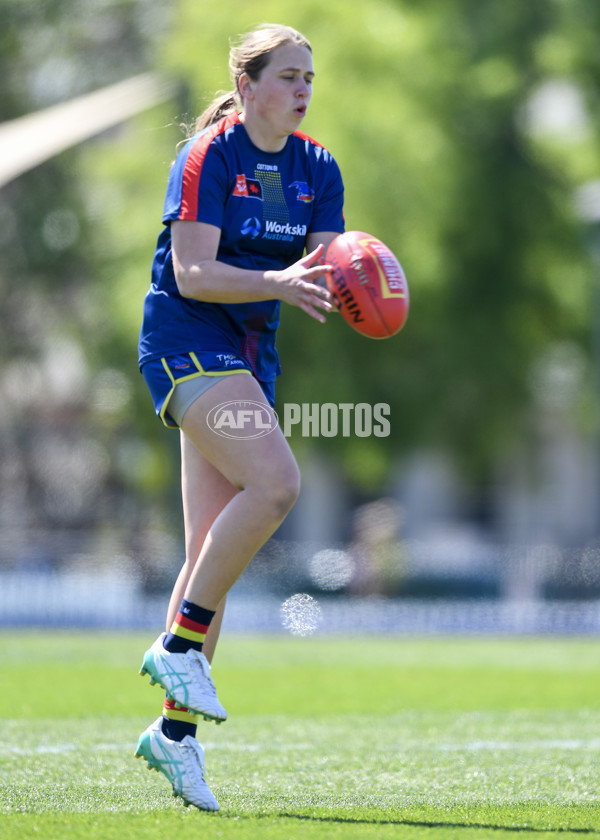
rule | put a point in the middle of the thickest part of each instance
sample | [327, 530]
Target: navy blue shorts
[195, 372]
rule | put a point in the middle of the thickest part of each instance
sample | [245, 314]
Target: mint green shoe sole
[144, 751]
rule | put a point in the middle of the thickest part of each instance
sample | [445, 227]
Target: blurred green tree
[67, 458]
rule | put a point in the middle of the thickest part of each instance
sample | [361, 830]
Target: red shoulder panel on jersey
[193, 166]
[304, 136]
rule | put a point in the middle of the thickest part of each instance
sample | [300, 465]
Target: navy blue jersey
[265, 203]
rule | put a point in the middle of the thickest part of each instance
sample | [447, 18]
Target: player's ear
[246, 86]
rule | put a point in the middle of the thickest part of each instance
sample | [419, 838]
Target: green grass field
[327, 738]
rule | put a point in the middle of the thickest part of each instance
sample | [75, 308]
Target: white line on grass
[59, 749]
[474, 746]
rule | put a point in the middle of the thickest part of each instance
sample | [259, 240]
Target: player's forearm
[217, 282]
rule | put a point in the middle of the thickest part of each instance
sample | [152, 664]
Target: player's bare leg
[205, 492]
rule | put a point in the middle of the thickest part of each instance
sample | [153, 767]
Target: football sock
[188, 629]
[178, 722]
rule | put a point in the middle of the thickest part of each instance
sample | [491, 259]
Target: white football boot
[182, 762]
[186, 679]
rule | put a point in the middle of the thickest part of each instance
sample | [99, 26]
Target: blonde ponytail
[221, 106]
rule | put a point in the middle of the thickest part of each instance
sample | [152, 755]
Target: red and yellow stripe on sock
[178, 722]
[182, 714]
[189, 628]
[193, 631]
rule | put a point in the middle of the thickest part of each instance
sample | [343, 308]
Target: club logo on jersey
[247, 187]
[304, 192]
[251, 227]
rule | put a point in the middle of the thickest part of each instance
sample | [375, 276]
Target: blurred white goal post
[30, 140]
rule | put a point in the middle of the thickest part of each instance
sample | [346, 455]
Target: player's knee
[282, 492]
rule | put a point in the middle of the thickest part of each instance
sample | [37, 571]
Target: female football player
[251, 206]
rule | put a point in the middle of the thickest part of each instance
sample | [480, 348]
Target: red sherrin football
[367, 284]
